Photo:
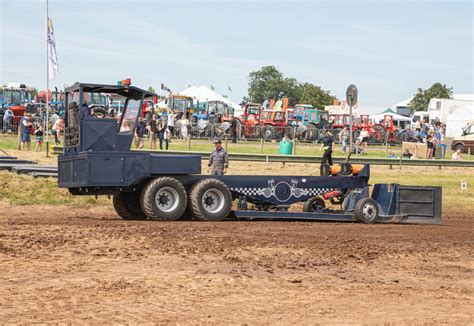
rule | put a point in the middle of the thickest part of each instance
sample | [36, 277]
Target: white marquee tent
[204, 94]
[459, 118]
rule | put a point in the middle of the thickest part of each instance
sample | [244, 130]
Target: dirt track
[84, 265]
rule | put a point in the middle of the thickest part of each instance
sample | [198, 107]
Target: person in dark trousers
[328, 140]
[219, 160]
[233, 129]
[163, 133]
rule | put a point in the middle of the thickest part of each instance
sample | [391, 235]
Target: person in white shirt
[171, 118]
[456, 155]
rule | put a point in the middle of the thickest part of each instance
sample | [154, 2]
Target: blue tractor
[97, 160]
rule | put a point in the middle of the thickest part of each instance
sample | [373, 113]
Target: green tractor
[307, 120]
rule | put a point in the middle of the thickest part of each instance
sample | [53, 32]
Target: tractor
[307, 121]
[97, 160]
[15, 97]
[272, 124]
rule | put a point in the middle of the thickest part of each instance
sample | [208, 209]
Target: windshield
[280, 116]
[130, 117]
[97, 99]
[253, 109]
[180, 104]
[15, 96]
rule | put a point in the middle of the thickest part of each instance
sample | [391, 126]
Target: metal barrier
[317, 159]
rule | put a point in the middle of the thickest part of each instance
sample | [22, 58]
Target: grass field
[24, 190]
[10, 142]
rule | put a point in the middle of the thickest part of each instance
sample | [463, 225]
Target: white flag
[52, 55]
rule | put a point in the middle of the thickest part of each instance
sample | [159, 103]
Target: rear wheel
[164, 199]
[366, 211]
[269, 132]
[127, 206]
[315, 204]
[460, 147]
[210, 200]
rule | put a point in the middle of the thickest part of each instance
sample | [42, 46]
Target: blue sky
[387, 48]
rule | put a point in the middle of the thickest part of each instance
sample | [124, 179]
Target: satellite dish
[351, 95]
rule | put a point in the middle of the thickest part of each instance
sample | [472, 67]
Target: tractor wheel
[269, 132]
[315, 204]
[366, 211]
[164, 199]
[289, 132]
[210, 200]
[310, 134]
[378, 136]
[460, 147]
[127, 206]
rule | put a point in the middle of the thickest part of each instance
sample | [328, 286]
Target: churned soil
[84, 265]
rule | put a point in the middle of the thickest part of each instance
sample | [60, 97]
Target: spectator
[53, 118]
[364, 138]
[56, 130]
[140, 133]
[183, 125]
[153, 129]
[392, 155]
[328, 140]
[343, 137]
[171, 119]
[84, 111]
[430, 144]
[233, 129]
[407, 154]
[25, 133]
[456, 155]
[7, 120]
[39, 136]
[418, 126]
[219, 160]
[163, 133]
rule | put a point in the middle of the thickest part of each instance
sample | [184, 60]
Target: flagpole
[47, 81]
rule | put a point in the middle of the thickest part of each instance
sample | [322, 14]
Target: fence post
[293, 150]
[189, 143]
[468, 153]
[261, 145]
[226, 143]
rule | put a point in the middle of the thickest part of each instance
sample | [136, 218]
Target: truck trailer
[97, 160]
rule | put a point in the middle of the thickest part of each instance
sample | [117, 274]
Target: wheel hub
[167, 199]
[213, 200]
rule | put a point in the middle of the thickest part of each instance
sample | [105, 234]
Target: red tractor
[273, 123]
[249, 120]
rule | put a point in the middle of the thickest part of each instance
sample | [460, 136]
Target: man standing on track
[219, 160]
[328, 140]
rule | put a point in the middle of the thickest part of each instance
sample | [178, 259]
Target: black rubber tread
[195, 200]
[307, 204]
[358, 213]
[273, 132]
[124, 208]
[460, 147]
[147, 199]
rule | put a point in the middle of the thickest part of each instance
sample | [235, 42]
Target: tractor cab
[15, 97]
[180, 104]
[96, 130]
[251, 112]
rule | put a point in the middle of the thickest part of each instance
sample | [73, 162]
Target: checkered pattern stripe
[259, 191]
[318, 191]
[248, 191]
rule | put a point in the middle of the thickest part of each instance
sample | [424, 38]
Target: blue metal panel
[161, 164]
[98, 134]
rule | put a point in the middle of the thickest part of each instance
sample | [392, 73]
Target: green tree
[268, 82]
[151, 90]
[265, 83]
[422, 97]
[315, 95]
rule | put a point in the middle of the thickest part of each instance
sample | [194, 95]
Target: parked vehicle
[15, 96]
[307, 121]
[466, 141]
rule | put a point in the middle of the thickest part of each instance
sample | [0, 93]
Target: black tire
[366, 211]
[164, 199]
[127, 206]
[269, 132]
[210, 200]
[460, 147]
[315, 204]
[288, 132]
[311, 132]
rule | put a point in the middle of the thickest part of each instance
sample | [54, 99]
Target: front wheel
[315, 204]
[210, 200]
[127, 206]
[366, 211]
[164, 199]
